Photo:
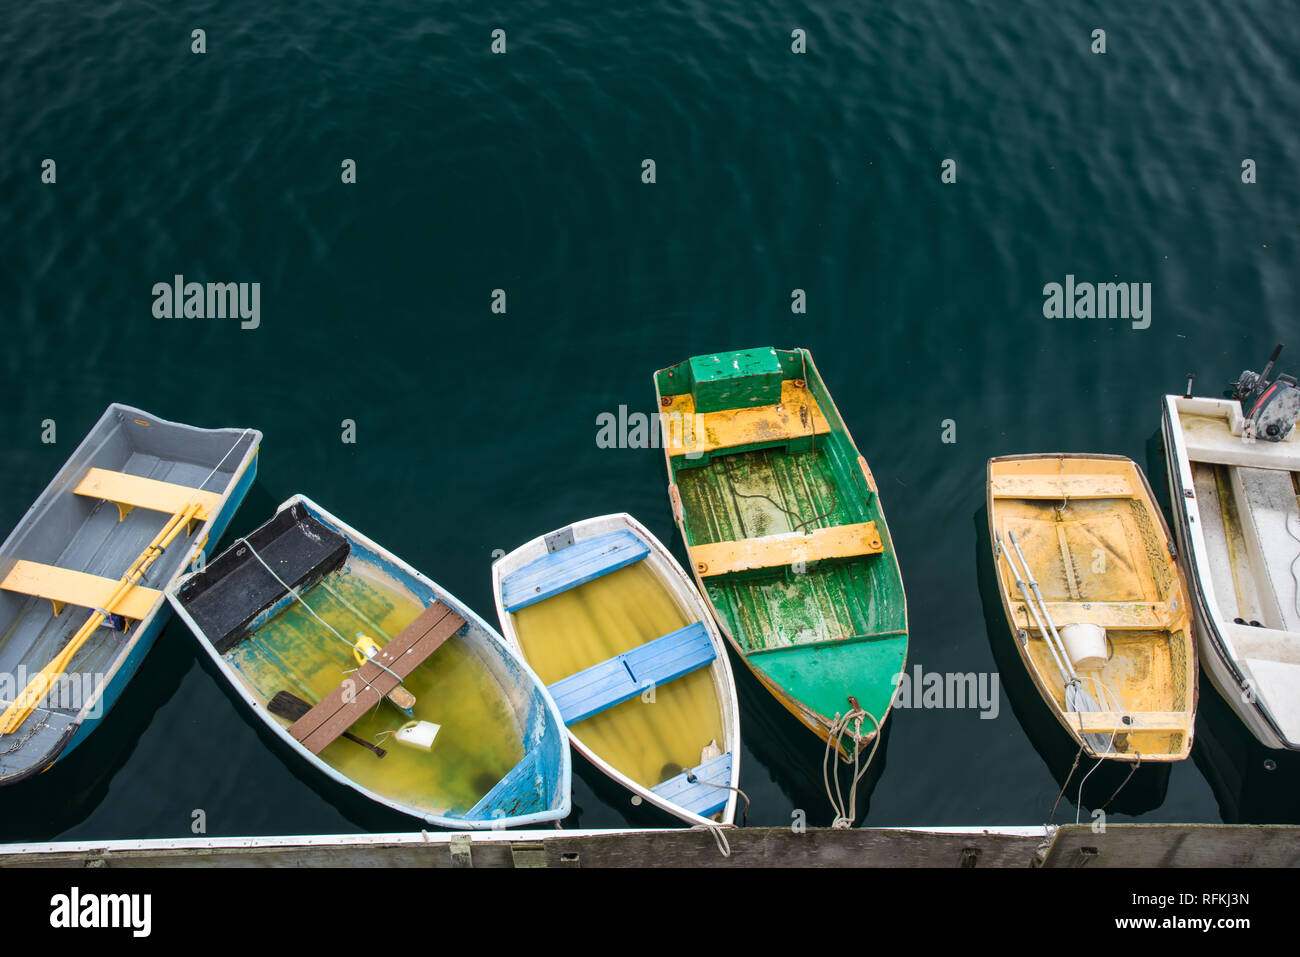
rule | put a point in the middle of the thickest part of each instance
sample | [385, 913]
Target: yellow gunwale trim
[797, 414]
[63, 586]
[771, 551]
[135, 491]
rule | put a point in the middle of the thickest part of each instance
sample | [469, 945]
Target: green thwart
[786, 534]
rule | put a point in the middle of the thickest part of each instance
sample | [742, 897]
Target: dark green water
[476, 431]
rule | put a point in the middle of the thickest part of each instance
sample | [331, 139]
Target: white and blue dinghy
[376, 676]
[628, 649]
[83, 573]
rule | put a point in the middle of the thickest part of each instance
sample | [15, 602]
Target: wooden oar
[288, 705]
[39, 686]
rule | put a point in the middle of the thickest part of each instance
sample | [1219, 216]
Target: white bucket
[1086, 645]
[418, 734]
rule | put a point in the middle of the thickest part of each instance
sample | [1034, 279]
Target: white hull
[1240, 561]
[497, 655]
[670, 573]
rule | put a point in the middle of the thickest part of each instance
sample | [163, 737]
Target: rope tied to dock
[1061, 793]
[744, 815]
[1079, 801]
[719, 835]
[845, 812]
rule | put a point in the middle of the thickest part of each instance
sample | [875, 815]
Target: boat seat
[625, 676]
[773, 551]
[570, 567]
[1269, 513]
[135, 491]
[1104, 722]
[363, 689]
[1263, 644]
[519, 792]
[63, 586]
[1057, 486]
[686, 432]
[1111, 615]
[702, 797]
[1275, 685]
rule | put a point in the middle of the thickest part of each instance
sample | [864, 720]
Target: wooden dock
[1120, 845]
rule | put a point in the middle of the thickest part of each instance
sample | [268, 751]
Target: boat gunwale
[724, 680]
[1208, 620]
[1147, 497]
[259, 708]
[816, 722]
[63, 484]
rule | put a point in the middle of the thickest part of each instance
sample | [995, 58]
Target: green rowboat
[786, 534]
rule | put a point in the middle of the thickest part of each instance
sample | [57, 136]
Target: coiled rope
[845, 812]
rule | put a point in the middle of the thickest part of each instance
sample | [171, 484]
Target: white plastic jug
[418, 734]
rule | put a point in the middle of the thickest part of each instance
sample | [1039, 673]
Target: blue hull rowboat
[376, 676]
[633, 660]
[128, 479]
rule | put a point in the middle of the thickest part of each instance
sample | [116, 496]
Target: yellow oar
[40, 685]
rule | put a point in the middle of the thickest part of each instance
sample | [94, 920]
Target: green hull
[815, 634]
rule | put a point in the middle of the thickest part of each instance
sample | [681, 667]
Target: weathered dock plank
[1176, 845]
[1120, 845]
[749, 847]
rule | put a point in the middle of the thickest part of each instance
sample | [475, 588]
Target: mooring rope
[223, 459]
[1078, 802]
[792, 515]
[356, 612]
[1110, 693]
[1065, 496]
[744, 815]
[1132, 771]
[1061, 793]
[719, 836]
[1294, 572]
[812, 436]
[312, 612]
[846, 812]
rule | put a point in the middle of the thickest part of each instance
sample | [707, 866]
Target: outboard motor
[1270, 408]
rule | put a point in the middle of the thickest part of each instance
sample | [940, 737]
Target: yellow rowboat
[1091, 588]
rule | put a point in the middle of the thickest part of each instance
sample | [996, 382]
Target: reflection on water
[475, 430]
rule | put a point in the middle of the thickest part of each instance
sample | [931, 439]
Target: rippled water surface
[476, 431]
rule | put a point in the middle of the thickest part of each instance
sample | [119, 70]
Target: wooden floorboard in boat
[341, 708]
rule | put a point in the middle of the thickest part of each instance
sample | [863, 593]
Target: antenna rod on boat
[1263, 376]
